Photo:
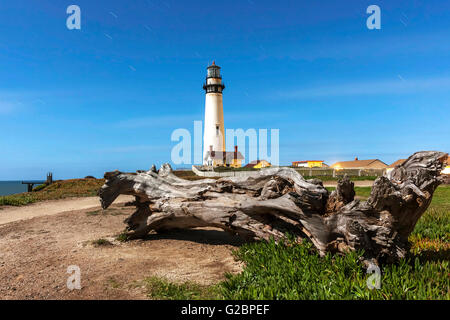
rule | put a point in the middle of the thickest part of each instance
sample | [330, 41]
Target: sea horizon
[9, 187]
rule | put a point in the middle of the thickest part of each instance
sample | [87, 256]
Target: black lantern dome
[213, 80]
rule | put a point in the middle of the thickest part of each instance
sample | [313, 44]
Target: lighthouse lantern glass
[213, 73]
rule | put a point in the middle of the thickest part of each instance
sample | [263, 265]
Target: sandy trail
[364, 183]
[51, 207]
[36, 252]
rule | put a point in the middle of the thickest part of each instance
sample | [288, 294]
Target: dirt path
[364, 183]
[36, 251]
[44, 208]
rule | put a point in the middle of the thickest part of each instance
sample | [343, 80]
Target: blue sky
[108, 96]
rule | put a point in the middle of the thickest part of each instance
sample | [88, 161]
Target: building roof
[396, 163]
[356, 163]
[253, 163]
[218, 155]
[306, 161]
[213, 65]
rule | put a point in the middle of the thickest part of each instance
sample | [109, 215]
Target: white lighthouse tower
[214, 133]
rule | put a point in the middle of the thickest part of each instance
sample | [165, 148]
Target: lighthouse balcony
[213, 88]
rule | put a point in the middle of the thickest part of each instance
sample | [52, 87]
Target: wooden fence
[306, 172]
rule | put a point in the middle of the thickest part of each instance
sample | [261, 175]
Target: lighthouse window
[217, 130]
[213, 73]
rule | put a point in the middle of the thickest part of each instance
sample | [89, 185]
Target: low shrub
[101, 242]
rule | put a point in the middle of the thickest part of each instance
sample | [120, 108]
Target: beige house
[258, 164]
[360, 164]
[309, 164]
[226, 159]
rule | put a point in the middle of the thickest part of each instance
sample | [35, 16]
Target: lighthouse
[214, 133]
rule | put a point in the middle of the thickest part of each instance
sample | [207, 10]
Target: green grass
[122, 237]
[289, 271]
[434, 225]
[162, 289]
[363, 192]
[435, 222]
[441, 198]
[331, 178]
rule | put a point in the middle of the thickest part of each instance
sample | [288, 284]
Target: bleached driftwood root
[274, 201]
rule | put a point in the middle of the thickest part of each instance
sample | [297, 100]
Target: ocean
[11, 187]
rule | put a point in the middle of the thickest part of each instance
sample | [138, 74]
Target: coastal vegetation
[101, 242]
[57, 190]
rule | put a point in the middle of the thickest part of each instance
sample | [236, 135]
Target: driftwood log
[274, 201]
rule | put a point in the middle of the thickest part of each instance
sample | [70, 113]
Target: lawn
[352, 178]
